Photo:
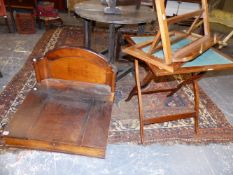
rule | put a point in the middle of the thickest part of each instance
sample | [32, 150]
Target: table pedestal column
[112, 43]
[87, 34]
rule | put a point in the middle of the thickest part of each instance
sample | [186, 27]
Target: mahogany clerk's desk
[93, 10]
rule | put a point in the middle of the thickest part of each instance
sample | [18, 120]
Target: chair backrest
[75, 64]
[2, 8]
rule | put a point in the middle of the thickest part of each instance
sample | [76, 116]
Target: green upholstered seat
[210, 57]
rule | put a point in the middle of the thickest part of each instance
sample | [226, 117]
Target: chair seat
[211, 59]
[49, 21]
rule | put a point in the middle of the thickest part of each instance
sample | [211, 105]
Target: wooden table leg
[87, 34]
[7, 23]
[112, 44]
[12, 16]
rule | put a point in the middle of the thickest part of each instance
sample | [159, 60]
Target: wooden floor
[65, 120]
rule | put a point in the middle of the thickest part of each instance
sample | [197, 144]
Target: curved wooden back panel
[76, 64]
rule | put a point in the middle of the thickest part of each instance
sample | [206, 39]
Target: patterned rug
[214, 127]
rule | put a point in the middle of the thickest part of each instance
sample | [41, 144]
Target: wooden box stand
[69, 110]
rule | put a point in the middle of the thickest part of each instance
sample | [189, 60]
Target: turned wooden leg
[148, 78]
[196, 104]
[140, 107]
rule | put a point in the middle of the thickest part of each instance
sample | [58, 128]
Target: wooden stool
[49, 21]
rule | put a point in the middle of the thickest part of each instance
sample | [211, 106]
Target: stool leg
[47, 24]
[61, 21]
[196, 104]
[141, 113]
[7, 23]
[39, 21]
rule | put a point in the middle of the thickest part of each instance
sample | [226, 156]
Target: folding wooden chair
[173, 53]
